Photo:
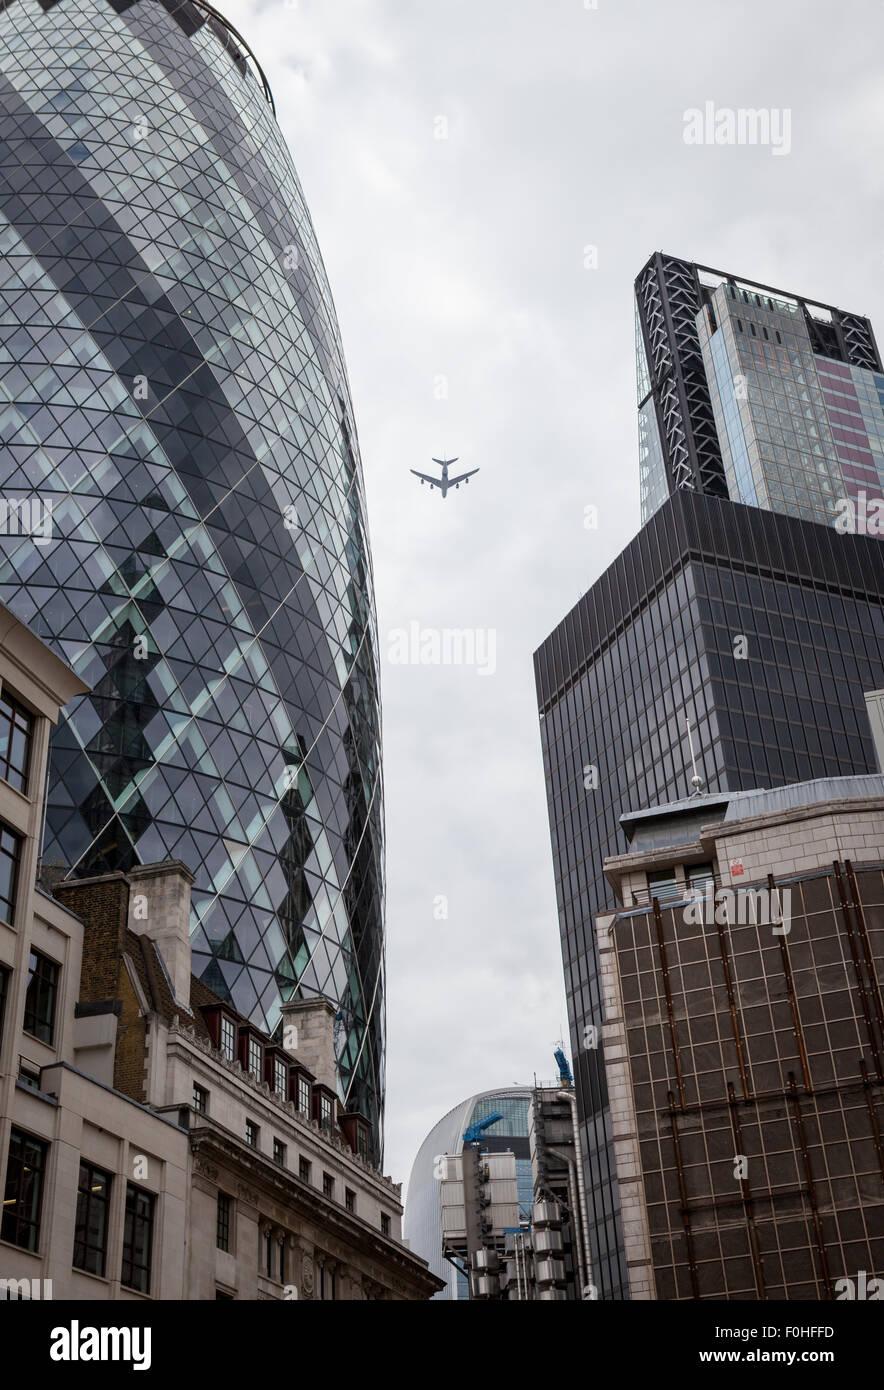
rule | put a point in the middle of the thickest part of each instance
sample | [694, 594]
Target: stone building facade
[284, 1201]
[154, 1144]
[744, 1042]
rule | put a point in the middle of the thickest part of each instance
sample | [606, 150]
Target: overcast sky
[464, 258]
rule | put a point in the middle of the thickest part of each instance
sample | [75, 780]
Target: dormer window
[255, 1058]
[280, 1078]
[327, 1113]
[228, 1038]
[303, 1095]
[355, 1129]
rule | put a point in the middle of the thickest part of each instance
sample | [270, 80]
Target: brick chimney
[308, 1031]
[159, 907]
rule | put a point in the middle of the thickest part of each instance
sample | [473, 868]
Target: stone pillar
[265, 1233]
[309, 1033]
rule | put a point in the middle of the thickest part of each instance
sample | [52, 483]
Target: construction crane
[565, 1077]
[473, 1135]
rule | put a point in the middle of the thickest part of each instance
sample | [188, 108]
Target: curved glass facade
[174, 407]
[423, 1211]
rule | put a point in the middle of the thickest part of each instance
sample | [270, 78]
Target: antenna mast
[696, 780]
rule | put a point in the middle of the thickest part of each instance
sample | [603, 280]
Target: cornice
[185, 1036]
[212, 1147]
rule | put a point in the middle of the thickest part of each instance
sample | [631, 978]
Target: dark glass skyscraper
[174, 404]
[757, 623]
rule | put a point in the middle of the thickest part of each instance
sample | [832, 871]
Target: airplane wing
[434, 482]
[452, 482]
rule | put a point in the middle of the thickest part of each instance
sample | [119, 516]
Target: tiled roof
[154, 981]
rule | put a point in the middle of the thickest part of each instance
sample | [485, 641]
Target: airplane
[444, 484]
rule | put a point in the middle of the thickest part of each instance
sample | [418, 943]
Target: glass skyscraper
[175, 412]
[749, 393]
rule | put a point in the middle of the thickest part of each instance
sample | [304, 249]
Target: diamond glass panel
[188, 527]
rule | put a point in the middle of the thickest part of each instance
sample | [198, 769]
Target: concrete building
[153, 1142]
[744, 1042]
[283, 1200]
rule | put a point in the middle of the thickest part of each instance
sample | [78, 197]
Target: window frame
[280, 1078]
[673, 892]
[255, 1058]
[12, 1217]
[45, 987]
[227, 1025]
[133, 1220]
[5, 976]
[253, 1134]
[223, 1222]
[83, 1222]
[304, 1089]
[18, 715]
[280, 1152]
[14, 858]
[326, 1112]
[200, 1101]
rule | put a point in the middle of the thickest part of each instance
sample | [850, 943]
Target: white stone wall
[627, 1157]
[800, 842]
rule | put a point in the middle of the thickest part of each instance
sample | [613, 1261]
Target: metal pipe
[581, 1234]
[746, 1192]
[873, 1118]
[575, 1224]
[857, 969]
[673, 1032]
[793, 999]
[732, 1006]
[862, 929]
[683, 1195]
[810, 1186]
